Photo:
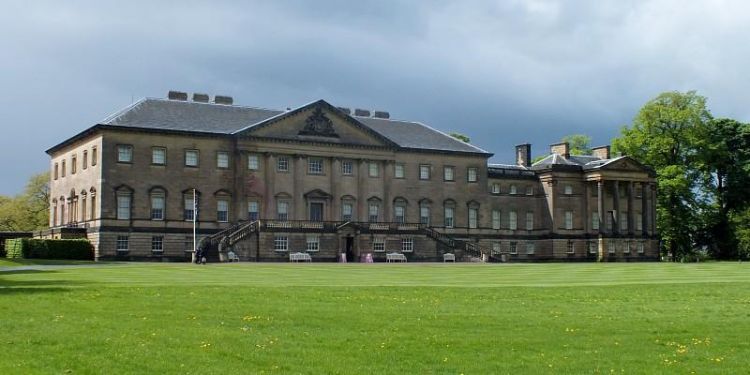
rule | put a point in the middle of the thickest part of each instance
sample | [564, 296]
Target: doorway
[349, 248]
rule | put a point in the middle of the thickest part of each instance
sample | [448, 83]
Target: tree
[29, 210]
[461, 137]
[580, 144]
[665, 134]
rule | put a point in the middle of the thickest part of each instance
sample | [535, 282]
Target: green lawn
[376, 318]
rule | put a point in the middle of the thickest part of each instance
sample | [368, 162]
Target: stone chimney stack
[562, 149]
[523, 155]
[601, 152]
[177, 95]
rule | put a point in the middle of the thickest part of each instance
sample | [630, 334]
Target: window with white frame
[123, 205]
[253, 210]
[407, 245]
[315, 166]
[157, 244]
[513, 247]
[626, 247]
[372, 211]
[378, 244]
[347, 167]
[189, 206]
[191, 158]
[471, 174]
[424, 172]
[157, 205]
[373, 169]
[280, 243]
[398, 170]
[611, 246]
[623, 221]
[495, 188]
[571, 248]
[530, 248]
[282, 164]
[473, 217]
[222, 210]
[593, 247]
[424, 215]
[529, 190]
[124, 154]
[512, 220]
[448, 173]
[496, 247]
[495, 219]
[158, 156]
[641, 247]
[122, 244]
[529, 221]
[449, 211]
[253, 162]
[399, 213]
[312, 243]
[568, 189]
[595, 220]
[568, 220]
[282, 210]
[513, 189]
[347, 211]
[222, 159]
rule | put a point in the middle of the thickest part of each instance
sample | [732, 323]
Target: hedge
[78, 249]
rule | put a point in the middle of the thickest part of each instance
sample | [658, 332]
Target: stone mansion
[332, 182]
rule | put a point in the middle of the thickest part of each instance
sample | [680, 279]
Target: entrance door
[349, 249]
[316, 211]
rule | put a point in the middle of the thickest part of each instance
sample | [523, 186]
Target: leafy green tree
[461, 137]
[29, 210]
[580, 144]
[665, 134]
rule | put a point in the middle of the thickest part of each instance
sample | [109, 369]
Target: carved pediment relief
[318, 124]
[625, 164]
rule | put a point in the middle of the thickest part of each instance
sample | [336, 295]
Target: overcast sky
[502, 72]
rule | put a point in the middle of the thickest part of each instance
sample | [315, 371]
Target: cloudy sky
[502, 72]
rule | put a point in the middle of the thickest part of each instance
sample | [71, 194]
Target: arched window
[399, 210]
[283, 206]
[373, 209]
[54, 212]
[158, 201]
[347, 208]
[223, 197]
[84, 212]
[473, 214]
[62, 210]
[92, 194]
[124, 196]
[424, 211]
[191, 202]
[449, 213]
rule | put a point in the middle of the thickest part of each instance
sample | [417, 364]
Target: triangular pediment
[317, 122]
[624, 163]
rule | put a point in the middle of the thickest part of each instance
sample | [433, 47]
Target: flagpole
[195, 239]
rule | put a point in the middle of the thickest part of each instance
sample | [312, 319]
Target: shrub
[78, 249]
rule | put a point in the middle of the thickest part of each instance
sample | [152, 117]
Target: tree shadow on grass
[34, 285]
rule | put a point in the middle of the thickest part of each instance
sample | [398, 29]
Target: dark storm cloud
[503, 72]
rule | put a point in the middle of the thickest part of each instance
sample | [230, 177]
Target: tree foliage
[29, 210]
[461, 137]
[580, 144]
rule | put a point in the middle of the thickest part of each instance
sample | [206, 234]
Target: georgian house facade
[328, 181]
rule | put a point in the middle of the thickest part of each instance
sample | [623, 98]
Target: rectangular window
[568, 220]
[448, 173]
[407, 245]
[495, 219]
[529, 190]
[400, 214]
[157, 207]
[314, 166]
[347, 210]
[641, 247]
[94, 156]
[471, 174]
[623, 221]
[571, 249]
[123, 206]
[473, 214]
[73, 164]
[495, 188]
[610, 218]
[281, 243]
[222, 159]
[529, 221]
[373, 212]
[124, 153]
[530, 248]
[253, 162]
[57, 170]
[191, 158]
[424, 172]
[374, 169]
[626, 247]
[449, 217]
[495, 247]
[282, 164]
[512, 220]
[222, 210]
[611, 246]
[157, 244]
[63, 168]
[312, 243]
[513, 190]
[158, 156]
[398, 171]
[282, 210]
[513, 247]
[595, 220]
[378, 244]
[189, 207]
[122, 244]
[593, 247]
[253, 210]
[424, 215]
[638, 221]
[568, 189]
[347, 168]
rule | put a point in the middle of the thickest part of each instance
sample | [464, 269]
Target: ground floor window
[407, 245]
[611, 246]
[312, 243]
[626, 247]
[157, 244]
[513, 248]
[593, 248]
[378, 244]
[281, 243]
[495, 247]
[530, 248]
[641, 247]
[122, 244]
[571, 249]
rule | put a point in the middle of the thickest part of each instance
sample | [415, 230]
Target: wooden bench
[395, 257]
[296, 257]
[449, 257]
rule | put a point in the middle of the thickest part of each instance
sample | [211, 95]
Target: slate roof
[585, 162]
[175, 115]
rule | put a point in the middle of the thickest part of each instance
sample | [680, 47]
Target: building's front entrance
[349, 246]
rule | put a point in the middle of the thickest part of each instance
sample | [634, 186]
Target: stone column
[616, 207]
[361, 182]
[585, 208]
[334, 211]
[553, 207]
[644, 208]
[631, 207]
[269, 174]
[600, 204]
[298, 201]
[386, 179]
